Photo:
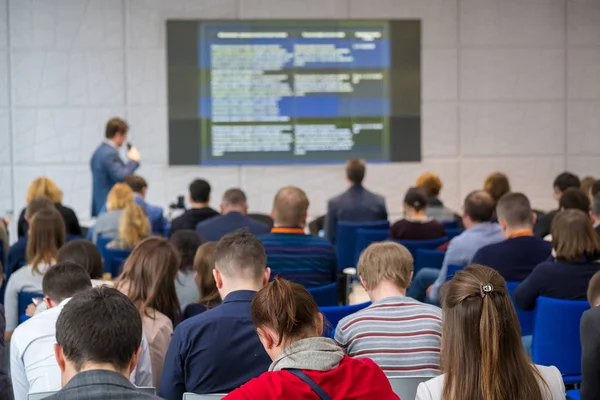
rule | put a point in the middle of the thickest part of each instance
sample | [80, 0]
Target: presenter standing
[107, 166]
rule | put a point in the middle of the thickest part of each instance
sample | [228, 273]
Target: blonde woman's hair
[44, 187]
[134, 226]
[385, 261]
[119, 197]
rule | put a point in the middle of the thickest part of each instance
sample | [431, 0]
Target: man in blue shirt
[478, 212]
[515, 257]
[219, 350]
[154, 213]
[291, 254]
[234, 210]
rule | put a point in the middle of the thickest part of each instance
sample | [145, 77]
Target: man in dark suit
[562, 182]
[107, 167]
[234, 210]
[93, 364]
[356, 204]
[199, 210]
[595, 212]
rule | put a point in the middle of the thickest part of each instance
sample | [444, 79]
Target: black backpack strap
[313, 385]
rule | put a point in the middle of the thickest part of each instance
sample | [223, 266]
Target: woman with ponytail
[482, 356]
[305, 364]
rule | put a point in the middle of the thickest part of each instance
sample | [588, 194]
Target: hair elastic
[485, 289]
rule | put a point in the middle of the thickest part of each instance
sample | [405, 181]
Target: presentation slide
[289, 92]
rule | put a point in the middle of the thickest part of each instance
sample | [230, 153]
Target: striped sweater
[402, 335]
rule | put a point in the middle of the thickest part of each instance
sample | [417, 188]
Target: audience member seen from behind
[32, 364]
[291, 254]
[586, 185]
[148, 279]
[93, 364]
[431, 183]
[84, 253]
[234, 216]
[204, 263]
[46, 236]
[574, 199]
[139, 186]
[133, 228]
[17, 254]
[45, 187]
[515, 257]
[356, 204]
[218, 350]
[186, 242]
[416, 225]
[478, 212]
[199, 199]
[5, 384]
[595, 213]
[482, 354]
[290, 328]
[590, 343]
[562, 182]
[595, 188]
[576, 251]
[496, 185]
[107, 224]
[393, 325]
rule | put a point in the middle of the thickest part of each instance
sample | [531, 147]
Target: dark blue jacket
[214, 352]
[557, 280]
[107, 169]
[514, 258]
[6, 392]
[356, 204]
[215, 228]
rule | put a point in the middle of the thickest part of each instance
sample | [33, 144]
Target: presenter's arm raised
[117, 169]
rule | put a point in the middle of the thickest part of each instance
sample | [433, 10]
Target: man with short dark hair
[199, 199]
[98, 335]
[218, 351]
[562, 182]
[595, 212]
[106, 164]
[478, 212]
[574, 199]
[291, 254]
[234, 216]
[139, 186]
[356, 204]
[515, 257]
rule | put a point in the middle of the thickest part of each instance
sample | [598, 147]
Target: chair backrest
[114, 259]
[25, 299]
[333, 315]
[364, 237]
[414, 245]
[193, 396]
[43, 395]
[452, 233]
[429, 259]
[406, 388]
[345, 245]
[101, 243]
[556, 334]
[452, 270]
[526, 318]
[450, 224]
[265, 219]
[325, 296]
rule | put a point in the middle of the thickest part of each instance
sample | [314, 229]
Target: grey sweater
[107, 225]
[316, 354]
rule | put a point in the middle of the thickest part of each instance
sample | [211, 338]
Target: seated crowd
[222, 303]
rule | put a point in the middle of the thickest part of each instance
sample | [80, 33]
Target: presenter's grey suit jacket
[107, 169]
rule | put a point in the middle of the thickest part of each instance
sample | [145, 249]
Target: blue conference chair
[452, 233]
[345, 246]
[101, 243]
[414, 245]
[326, 295]
[24, 300]
[452, 270]
[429, 259]
[526, 318]
[450, 224]
[556, 336]
[333, 315]
[364, 237]
[573, 395]
[114, 260]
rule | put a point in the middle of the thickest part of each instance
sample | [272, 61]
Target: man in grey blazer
[356, 204]
[98, 336]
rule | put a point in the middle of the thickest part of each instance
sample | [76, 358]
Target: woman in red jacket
[305, 364]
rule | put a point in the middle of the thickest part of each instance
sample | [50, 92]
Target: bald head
[290, 207]
[479, 206]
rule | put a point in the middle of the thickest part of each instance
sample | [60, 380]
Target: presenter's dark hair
[355, 170]
[114, 126]
[99, 325]
[65, 279]
[200, 191]
[479, 206]
[566, 180]
[574, 199]
[84, 253]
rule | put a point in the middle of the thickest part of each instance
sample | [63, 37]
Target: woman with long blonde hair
[482, 357]
[107, 224]
[134, 226]
[45, 187]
